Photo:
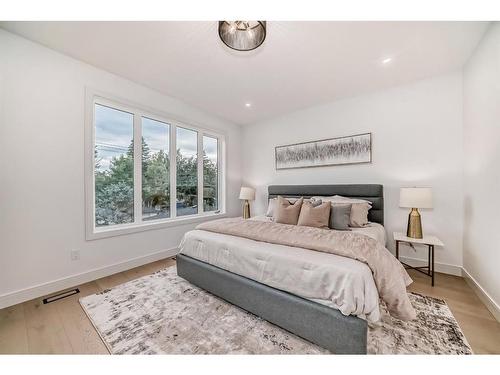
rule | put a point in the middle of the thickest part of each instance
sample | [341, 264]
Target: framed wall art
[354, 149]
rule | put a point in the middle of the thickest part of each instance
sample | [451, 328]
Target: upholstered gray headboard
[370, 192]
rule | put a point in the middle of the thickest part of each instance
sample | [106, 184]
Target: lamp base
[414, 229]
[246, 209]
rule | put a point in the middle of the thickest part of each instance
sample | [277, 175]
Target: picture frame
[352, 149]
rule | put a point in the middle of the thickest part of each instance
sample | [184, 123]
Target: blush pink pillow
[287, 213]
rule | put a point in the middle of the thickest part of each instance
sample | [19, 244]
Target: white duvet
[338, 282]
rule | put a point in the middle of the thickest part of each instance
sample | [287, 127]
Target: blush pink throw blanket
[390, 276]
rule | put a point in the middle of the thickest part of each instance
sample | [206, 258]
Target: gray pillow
[340, 217]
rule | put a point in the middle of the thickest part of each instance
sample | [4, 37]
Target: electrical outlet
[75, 255]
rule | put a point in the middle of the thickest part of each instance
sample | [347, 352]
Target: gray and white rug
[164, 314]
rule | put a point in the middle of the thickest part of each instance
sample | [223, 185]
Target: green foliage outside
[114, 188]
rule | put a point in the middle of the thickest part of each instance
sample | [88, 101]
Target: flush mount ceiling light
[242, 35]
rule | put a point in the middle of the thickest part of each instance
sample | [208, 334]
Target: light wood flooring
[62, 327]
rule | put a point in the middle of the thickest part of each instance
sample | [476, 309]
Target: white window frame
[94, 97]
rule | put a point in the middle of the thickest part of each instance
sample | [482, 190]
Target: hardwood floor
[62, 327]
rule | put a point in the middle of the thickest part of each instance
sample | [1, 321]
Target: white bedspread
[335, 281]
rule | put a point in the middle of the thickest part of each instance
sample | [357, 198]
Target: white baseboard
[450, 269]
[40, 290]
[482, 294]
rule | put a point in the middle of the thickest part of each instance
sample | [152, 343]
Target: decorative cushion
[287, 213]
[340, 217]
[359, 215]
[314, 216]
[271, 206]
[359, 209]
[314, 201]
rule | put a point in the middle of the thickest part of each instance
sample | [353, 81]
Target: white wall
[482, 164]
[417, 140]
[42, 207]
[420, 132]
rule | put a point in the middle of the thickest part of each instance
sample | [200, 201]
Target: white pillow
[351, 200]
[271, 207]
[340, 198]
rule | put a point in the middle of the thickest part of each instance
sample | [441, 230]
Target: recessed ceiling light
[386, 60]
[248, 105]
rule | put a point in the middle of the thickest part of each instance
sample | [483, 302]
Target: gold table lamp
[247, 194]
[415, 198]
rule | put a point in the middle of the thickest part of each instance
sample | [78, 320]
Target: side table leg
[432, 249]
[429, 269]
[397, 249]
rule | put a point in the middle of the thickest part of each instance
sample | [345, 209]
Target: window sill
[95, 234]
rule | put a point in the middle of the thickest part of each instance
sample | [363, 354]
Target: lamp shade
[247, 193]
[415, 197]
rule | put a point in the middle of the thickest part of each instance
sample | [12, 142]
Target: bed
[329, 308]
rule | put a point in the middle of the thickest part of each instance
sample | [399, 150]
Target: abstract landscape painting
[353, 149]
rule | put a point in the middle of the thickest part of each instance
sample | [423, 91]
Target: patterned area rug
[164, 314]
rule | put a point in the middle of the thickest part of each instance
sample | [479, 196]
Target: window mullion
[137, 168]
[221, 176]
[173, 170]
[200, 172]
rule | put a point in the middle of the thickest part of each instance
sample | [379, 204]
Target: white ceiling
[299, 65]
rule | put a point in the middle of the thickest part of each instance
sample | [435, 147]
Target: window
[210, 174]
[147, 170]
[187, 172]
[155, 169]
[114, 166]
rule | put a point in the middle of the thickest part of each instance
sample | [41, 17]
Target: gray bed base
[312, 321]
